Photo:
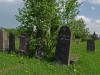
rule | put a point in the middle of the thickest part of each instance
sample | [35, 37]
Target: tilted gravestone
[3, 40]
[90, 45]
[24, 44]
[11, 42]
[63, 47]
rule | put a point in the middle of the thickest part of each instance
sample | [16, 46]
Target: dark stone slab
[11, 42]
[24, 45]
[62, 54]
[90, 45]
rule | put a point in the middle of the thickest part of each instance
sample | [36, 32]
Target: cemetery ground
[88, 63]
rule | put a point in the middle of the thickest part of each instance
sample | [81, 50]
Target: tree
[70, 11]
[94, 36]
[68, 15]
[41, 14]
[42, 19]
[80, 31]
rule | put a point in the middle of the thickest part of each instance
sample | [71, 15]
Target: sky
[89, 12]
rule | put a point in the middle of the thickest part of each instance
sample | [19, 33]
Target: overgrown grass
[88, 64]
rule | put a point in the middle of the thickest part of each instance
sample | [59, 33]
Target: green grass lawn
[88, 64]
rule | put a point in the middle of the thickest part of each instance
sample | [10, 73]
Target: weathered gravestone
[11, 42]
[90, 45]
[3, 40]
[63, 47]
[39, 53]
[24, 44]
[77, 42]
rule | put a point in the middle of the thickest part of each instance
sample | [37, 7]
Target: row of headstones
[24, 42]
[63, 47]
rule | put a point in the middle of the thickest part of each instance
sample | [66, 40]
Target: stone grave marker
[24, 45]
[3, 40]
[39, 50]
[90, 45]
[63, 47]
[25, 34]
[39, 53]
[77, 42]
[11, 42]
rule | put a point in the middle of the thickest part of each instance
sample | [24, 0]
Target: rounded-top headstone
[63, 46]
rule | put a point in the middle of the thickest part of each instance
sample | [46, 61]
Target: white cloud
[87, 20]
[91, 1]
[93, 8]
[81, 1]
[6, 0]
[94, 1]
[10, 0]
[97, 21]
[93, 26]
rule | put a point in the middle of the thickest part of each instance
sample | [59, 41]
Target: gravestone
[77, 42]
[39, 53]
[63, 47]
[11, 42]
[3, 40]
[24, 44]
[25, 34]
[90, 45]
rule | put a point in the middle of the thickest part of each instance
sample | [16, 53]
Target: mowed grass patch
[88, 63]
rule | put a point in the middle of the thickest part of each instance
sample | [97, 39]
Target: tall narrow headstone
[63, 47]
[90, 45]
[3, 40]
[24, 45]
[11, 42]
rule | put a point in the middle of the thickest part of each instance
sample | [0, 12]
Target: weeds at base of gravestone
[74, 58]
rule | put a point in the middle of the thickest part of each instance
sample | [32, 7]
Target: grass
[88, 64]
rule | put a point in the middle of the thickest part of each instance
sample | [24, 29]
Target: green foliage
[42, 19]
[39, 19]
[80, 31]
[70, 11]
[94, 36]
[13, 30]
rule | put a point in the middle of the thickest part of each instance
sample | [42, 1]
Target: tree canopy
[42, 19]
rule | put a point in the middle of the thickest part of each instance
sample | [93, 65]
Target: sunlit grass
[88, 63]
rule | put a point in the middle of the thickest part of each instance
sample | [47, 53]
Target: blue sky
[89, 11]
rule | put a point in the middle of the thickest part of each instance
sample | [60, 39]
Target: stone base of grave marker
[74, 58]
[39, 53]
